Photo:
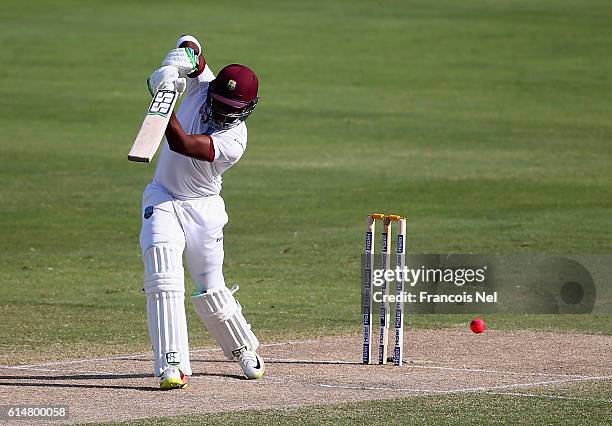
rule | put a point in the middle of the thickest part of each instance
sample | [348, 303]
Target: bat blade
[153, 126]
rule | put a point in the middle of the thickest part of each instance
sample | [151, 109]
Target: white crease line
[312, 361]
[74, 361]
[517, 373]
[46, 370]
[265, 345]
[134, 356]
[52, 370]
[474, 370]
[55, 370]
[36, 367]
[466, 390]
[290, 342]
[546, 396]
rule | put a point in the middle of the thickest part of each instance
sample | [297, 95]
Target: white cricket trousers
[193, 226]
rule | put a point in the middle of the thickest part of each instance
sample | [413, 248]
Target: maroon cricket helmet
[233, 95]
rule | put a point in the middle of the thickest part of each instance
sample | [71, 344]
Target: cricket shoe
[252, 364]
[172, 378]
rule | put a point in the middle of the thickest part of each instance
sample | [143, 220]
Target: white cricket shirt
[187, 178]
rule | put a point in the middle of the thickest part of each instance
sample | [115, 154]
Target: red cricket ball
[478, 326]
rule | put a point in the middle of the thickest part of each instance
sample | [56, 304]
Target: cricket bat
[153, 126]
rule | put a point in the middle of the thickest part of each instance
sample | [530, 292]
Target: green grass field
[486, 123]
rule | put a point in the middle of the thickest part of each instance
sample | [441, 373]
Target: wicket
[368, 288]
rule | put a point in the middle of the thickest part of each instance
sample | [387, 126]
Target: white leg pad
[223, 317]
[165, 289]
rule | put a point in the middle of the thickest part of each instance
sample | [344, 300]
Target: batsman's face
[223, 114]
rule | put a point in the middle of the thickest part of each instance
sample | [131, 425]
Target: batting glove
[183, 59]
[166, 78]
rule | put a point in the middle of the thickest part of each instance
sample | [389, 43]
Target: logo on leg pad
[173, 358]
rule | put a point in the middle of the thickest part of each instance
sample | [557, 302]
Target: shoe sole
[172, 384]
[259, 376]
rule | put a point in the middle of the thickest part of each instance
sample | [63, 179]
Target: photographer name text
[426, 297]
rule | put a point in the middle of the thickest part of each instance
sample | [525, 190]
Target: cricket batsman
[183, 211]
